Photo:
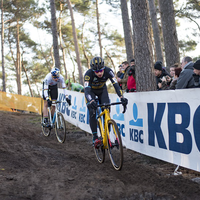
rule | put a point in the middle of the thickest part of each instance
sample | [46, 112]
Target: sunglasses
[55, 77]
[97, 71]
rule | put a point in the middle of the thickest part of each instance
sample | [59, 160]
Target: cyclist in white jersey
[50, 89]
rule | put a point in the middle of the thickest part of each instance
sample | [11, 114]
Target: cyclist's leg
[103, 96]
[92, 118]
[54, 95]
[45, 107]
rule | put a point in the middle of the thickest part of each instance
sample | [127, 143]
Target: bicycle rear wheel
[100, 152]
[45, 130]
[60, 128]
[115, 148]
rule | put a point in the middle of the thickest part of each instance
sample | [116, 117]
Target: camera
[159, 80]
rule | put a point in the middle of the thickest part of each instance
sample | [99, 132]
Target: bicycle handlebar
[57, 102]
[111, 104]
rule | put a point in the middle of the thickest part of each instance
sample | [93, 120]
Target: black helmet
[97, 63]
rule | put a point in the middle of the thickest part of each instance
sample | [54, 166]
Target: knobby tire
[60, 128]
[115, 148]
[100, 152]
[45, 130]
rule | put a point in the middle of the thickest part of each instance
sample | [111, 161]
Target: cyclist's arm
[46, 87]
[87, 87]
[115, 84]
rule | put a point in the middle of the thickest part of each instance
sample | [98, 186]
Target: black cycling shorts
[52, 92]
[102, 95]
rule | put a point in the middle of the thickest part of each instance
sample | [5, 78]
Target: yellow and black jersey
[93, 82]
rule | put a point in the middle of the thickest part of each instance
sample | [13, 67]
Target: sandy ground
[36, 167]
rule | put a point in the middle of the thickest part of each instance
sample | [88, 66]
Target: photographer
[162, 76]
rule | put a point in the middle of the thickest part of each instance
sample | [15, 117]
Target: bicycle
[110, 137]
[57, 122]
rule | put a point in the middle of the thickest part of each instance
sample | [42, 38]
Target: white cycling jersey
[49, 81]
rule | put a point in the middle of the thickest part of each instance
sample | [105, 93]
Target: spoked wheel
[60, 128]
[115, 148]
[45, 130]
[100, 152]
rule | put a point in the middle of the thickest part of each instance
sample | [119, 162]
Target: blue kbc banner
[160, 124]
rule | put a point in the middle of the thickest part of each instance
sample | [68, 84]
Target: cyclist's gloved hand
[124, 101]
[68, 101]
[92, 105]
[49, 102]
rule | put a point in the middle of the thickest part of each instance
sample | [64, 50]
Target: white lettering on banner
[167, 129]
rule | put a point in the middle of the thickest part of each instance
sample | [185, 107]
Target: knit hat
[197, 65]
[158, 65]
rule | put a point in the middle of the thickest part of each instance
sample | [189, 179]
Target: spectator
[196, 74]
[74, 86]
[172, 69]
[120, 74]
[186, 79]
[161, 76]
[124, 80]
[173, 83]
[131, 84]
[132, 62]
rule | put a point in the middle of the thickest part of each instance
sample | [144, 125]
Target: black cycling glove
[124, 101]
[49, 102]
[92, 105]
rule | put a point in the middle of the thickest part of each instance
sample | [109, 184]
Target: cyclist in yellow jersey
[95, 85]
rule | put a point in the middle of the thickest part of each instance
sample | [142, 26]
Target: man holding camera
[161, 76]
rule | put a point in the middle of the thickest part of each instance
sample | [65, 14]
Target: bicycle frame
[106, 115]
[55, 116]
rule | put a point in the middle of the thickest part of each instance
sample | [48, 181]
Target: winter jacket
[186, 79]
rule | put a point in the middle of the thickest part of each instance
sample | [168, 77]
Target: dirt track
[36, 167]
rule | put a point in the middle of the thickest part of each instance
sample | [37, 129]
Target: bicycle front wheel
[45, 129]
[115, 148]
[100, 152]
[60, 128]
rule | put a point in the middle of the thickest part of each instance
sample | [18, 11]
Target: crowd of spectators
[185, 75]
[180, 76]
[126, 76]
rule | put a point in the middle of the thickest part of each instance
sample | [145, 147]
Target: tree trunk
[76, 43]
[54, 34]
[98, 27]
[156, 32]
[53, 58]
[61, 45]
[83, 47]
[2, 48]
[127, 31]
[169, 32]
[28, 81]
[145, 78]
[18, 61]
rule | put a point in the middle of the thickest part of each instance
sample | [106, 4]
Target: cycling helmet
[96, 63]
[55, 72]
